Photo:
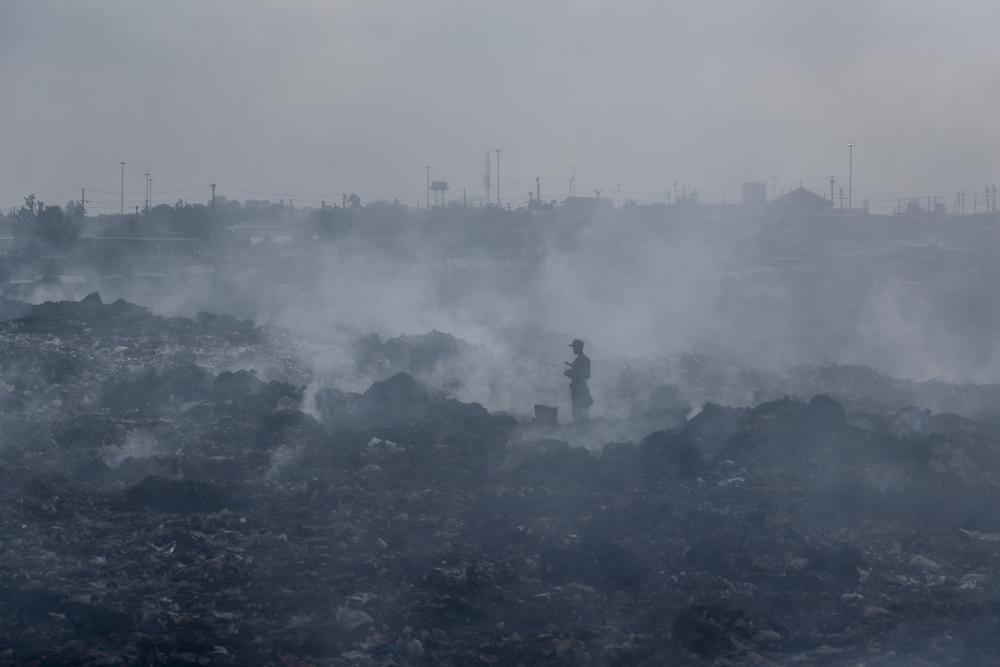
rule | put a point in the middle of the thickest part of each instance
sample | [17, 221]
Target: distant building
[439, 188]
[133, 228]
[802, 201]
[755, 194]
[133, 240]
[586, 204]
[249, 234]
[8, 246]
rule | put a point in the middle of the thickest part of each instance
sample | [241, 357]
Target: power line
[158, 192]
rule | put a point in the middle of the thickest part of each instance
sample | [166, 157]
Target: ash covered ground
[192, 491]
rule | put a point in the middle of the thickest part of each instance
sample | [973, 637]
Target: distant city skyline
[100, 201]
[310, 100]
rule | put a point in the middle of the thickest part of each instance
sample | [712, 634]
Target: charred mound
[157, 509]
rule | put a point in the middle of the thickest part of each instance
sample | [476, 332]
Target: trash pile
[161, 505]
[412, 354]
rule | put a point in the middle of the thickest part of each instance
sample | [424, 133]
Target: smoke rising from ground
[637, 283]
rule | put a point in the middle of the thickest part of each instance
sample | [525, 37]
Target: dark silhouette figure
[578, 374]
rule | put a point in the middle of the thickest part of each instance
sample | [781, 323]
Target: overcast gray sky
[319, 98]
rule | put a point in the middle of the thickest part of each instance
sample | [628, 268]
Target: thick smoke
[309, 399]
[638, 284]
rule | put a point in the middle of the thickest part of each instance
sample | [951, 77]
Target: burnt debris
[161, 503]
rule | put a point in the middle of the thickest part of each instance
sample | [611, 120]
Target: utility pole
[831, 187]
[428, 187]
[498, 150]
[572, 182]
[150, 191]
[774, 188]
[538, 190]
[147, 196]
[841, 197]
[123, 187]
[850, 177]
[83, 202]
[212, 223]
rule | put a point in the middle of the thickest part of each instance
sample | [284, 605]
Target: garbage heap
[156, 511]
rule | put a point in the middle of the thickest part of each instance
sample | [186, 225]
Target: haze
[313, 99]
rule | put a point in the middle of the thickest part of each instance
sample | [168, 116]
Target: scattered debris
[177, 507]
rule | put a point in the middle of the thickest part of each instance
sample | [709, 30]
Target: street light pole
[850, 176]
[498, 150]
[123, 187]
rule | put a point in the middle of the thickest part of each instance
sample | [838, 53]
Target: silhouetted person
[578, 374]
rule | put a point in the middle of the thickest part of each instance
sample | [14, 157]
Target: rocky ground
[160, 505]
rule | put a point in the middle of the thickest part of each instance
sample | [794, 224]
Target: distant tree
[45, 228]
[334, 223]
[192, 221]
[228, 208]
[354, 202]
[185, 220]
[161, 216]
[75, 210]
[31, 203]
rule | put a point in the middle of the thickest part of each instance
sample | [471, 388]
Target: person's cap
[576, 343]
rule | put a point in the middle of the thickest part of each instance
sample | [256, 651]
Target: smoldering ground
[155, 510]
[635, 287]
[319, 486]
[336, 478]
